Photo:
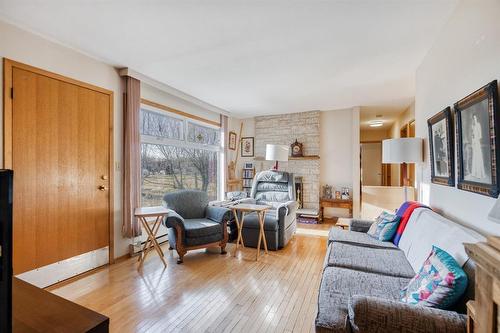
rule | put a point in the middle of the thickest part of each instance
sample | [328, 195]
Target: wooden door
[371, 164]
[61, 157]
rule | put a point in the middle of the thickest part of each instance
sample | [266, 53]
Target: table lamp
[277, 153]
[402, 151]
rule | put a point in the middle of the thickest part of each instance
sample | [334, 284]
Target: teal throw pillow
[385, 226]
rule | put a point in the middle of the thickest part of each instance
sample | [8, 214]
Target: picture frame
[232, 140]
[247, 146]
[478, 141]
[441, 148]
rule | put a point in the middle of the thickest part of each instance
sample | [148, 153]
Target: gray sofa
[362, 278]
[276, 189]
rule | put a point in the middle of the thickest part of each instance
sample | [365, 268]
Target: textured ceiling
[253, 57]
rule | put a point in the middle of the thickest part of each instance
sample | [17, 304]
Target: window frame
[184, 143]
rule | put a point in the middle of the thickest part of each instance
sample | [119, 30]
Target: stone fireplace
[285, 129]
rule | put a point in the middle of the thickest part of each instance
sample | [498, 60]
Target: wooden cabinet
[335, 203]
[484, 312]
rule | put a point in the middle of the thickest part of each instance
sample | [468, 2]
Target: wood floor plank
[210, 292]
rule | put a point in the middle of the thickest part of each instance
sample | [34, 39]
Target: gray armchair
[195, 224]
[276, 189]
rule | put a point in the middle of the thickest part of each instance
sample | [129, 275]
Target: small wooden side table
[151, 228]
[336, 203]
[261, 213]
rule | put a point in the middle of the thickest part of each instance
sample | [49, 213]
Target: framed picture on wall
[232, 140]
[247, 147]
[441, 148]
[478, 141]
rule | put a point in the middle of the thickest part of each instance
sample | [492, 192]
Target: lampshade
[402, 150]
[276, 153]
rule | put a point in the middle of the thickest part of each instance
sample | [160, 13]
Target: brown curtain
[224, 121]
[131, 157]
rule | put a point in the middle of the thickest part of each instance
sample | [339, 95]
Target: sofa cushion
[374, 260]
[337, 287]
[438, 284]
[201, 227]
[251, 221]
[357, 238]
[426, 229]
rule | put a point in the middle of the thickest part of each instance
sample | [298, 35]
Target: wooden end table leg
[263, 220]
[258, 242]
[239, 226]
[152, 240]
[147, 245]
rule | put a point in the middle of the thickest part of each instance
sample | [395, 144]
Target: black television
[6, 177]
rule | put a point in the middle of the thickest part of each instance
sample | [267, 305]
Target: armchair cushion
[374, 314]
[218, 214]
[190, 204]
[201, 227]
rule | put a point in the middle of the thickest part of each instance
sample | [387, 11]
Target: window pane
[156, 124]
[168, 168]
[204, 135]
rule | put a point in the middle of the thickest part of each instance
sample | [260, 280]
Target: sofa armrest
[218, 214]
[374, 314]
[174, 220]
[360, 225]
[251, 201]
[287, 208]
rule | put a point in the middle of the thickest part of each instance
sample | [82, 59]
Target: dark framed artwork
[478, 141]
[441, 148]
[232, 140]
[247, 147]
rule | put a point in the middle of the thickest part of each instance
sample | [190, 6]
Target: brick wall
[284, 129]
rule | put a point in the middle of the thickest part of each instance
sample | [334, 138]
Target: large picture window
[177, 153]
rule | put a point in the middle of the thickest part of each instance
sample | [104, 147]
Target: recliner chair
[276, 189]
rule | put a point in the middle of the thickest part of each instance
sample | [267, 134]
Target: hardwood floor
[211, 292]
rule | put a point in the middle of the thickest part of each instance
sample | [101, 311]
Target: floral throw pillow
[384, 227]
[438, 284]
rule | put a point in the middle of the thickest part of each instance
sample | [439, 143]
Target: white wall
[395, 132]
[247, 131]
[25, 47]
[374, 135]
[156, 95]
[338, 150]
[465, 56]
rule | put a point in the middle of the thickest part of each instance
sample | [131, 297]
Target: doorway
[58, 140]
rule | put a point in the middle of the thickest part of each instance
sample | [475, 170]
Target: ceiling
[388, 115]
[253, 57]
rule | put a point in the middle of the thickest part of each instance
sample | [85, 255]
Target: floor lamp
[402, 151]
[277, 153]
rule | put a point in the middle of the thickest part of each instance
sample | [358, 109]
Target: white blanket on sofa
[427, 228]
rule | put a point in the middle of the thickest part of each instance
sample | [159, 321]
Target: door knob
[102, 188]
[104, 177]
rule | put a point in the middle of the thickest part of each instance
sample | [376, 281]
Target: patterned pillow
[438, 284]
[373, 228]
[384, 227]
